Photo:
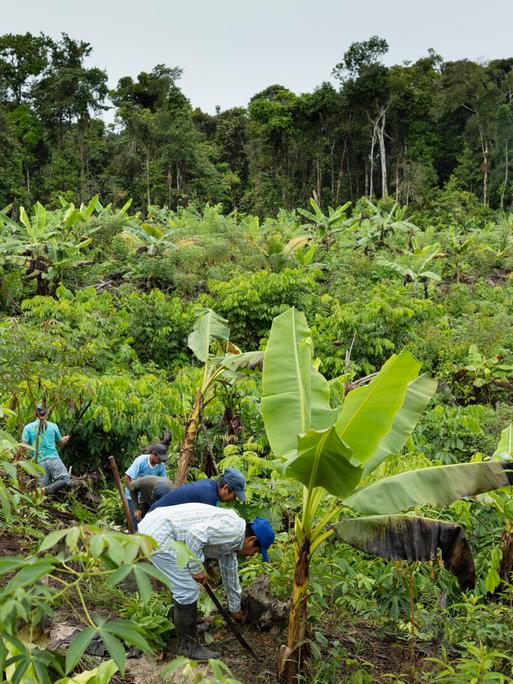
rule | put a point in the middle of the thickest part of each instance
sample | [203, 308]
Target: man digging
[207, 532]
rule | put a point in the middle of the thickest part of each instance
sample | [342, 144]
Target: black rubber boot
[184, 617]
[55, 486]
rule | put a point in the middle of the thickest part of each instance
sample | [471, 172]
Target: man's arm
[63, 440]
[195, 540]
[229, 567]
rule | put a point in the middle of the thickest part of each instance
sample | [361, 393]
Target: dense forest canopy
[402, 130]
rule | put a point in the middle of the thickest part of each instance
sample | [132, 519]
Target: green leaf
[120, 574]
[52, 539]
[438, 486]
[323, 460]
[30, 573]
[504, 451]
[418, 396]
[77, 647]
[96, 545]
[208, 327]
[286, 381]
[368, 413]
[126, 630]
[115, 648]
[407, 537]
[143, 583]
[322, 415]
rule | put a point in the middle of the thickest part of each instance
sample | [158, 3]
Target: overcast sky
[231, 49]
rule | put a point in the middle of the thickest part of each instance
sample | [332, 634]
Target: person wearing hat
[44, 437]
[229, 485]
[151, 463]
[207, 532]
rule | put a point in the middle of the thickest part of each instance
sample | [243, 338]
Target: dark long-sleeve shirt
[201, 491]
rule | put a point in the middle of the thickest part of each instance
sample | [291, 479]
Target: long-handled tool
[229, 620]
[117, 480]
[80, 416]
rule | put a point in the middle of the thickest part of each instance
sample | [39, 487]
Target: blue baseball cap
[236, 482]
[265, 535]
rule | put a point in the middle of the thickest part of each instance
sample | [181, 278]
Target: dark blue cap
[265, 535]
[236, 482]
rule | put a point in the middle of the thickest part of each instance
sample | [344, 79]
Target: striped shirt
[208, 532]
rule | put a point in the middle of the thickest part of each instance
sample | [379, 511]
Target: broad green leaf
[418, 396]
[77, 647]
[143, 583]
[96, 545]
[40, 216]
[30, 573]
[52, 539]
[11, 563]
[407, 537]
[124, 629]
[323, 460]
[368, 413]
[208, 327]
[504, 451]
[24, 218]
[114, 647]
[322, 415]
[98, 675]
[120, 574]
[437, 487]
[286, 381]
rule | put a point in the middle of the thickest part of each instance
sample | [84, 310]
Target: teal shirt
[48, 439]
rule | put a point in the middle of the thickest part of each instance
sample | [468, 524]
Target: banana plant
[332, 450]
[322, 225]
[210, 332]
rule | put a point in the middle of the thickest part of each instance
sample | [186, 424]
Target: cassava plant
[332, 450]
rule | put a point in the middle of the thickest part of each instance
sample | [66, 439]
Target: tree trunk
[187, 456]
[380, 132]
[506, 170]
[290, 659]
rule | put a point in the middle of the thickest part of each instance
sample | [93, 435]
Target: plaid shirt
[208, 532]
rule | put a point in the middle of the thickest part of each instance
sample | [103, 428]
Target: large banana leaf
[504, 451]
[286, 381]
[322, 415]
[208, 326]
[323, 460]
[368, 413]
[405, 537]
[418, 396]
[438, 486]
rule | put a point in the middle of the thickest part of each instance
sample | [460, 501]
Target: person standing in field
[144, 465]
[43, 437]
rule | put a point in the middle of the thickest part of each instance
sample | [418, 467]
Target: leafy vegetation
[364, 465]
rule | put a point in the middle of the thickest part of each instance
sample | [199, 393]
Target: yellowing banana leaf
[323, 460]
[504, 451]
[368, 413]
[418, 396]
[286, 381]
[437, 487]
[208, 326]
[412, 538]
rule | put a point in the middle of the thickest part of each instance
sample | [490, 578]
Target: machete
[229, 620]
